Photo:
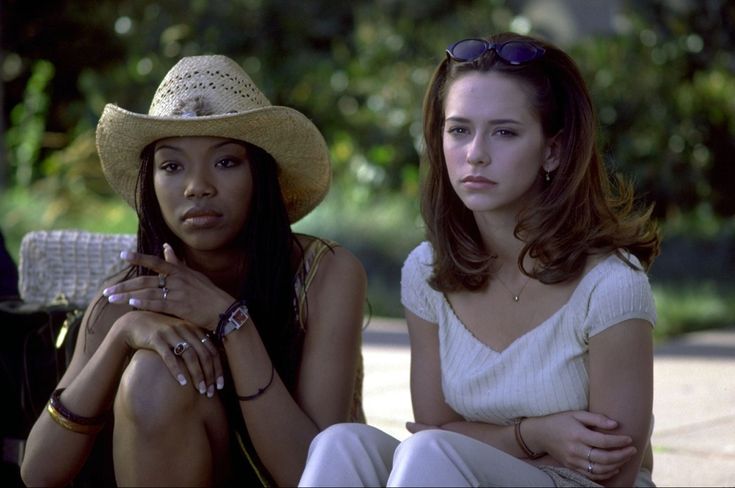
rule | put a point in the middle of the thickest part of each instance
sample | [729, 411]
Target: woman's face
[204, 188]
[493, 142]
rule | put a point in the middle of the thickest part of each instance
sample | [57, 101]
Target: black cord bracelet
[247, 398]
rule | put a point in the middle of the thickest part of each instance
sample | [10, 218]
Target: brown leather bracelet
[519, 439]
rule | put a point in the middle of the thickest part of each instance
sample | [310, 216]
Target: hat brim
[304, 171]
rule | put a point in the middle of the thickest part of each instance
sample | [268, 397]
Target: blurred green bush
[663, 80]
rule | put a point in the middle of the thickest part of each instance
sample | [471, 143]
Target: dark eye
[457, 130]
[169, 166]
[227, 163]
[505, 132]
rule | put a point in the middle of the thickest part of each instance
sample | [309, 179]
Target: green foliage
[663, 83]
[665, 92]
[37, 208]
[28, 123]
[692, 306]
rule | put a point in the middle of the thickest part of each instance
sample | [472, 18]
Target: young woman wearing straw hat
[529, 311]
[230, 342]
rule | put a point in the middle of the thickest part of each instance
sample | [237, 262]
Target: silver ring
[179, 348]
[205, 338]
[162, 280]
[165, 293]
[589, 454]
[590, 467]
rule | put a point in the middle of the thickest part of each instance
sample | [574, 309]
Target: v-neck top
[544, 371]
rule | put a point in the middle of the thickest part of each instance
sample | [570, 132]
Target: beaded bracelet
[247, 398]
[71, 421]
[519, 438]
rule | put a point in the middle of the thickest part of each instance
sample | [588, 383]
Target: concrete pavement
[694, 400]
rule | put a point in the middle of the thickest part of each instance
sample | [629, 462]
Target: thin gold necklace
[516, 296]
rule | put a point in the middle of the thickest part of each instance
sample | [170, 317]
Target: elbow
[34, 475]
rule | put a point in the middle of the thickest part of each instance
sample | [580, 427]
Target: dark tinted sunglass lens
[518, 52]
[468, 49]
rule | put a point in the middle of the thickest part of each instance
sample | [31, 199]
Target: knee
[339, 437]
[148, 396]
[423, 447]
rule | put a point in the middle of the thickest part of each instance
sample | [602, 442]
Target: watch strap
[232, 319]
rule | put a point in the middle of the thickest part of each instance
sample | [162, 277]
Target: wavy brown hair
[580, 212]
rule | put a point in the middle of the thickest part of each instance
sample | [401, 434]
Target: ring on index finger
[162, 280]
[589, 454]
[180, 347]
[591, 468]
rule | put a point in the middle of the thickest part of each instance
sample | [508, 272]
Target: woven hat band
[195, 89]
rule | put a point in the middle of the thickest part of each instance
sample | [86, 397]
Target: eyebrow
[491, 121]
[215, 146]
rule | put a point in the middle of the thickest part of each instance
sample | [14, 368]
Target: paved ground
[694, 400]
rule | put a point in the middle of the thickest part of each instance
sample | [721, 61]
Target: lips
[477, 180]
[201, 217]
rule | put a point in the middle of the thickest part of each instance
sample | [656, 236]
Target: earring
[548, 177]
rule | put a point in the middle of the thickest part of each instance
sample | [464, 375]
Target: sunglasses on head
[512, 52]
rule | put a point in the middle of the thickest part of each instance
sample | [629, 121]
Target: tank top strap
[313, 254]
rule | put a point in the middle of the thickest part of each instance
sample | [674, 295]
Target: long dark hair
[580, 212]
[270, 251]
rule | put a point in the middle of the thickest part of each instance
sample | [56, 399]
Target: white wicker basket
[69, 262]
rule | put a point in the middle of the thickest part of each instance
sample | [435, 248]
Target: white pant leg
[443, 458]
[349, 455]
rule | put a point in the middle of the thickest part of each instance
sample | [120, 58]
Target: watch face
[239, 316]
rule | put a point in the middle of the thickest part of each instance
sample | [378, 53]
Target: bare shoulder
[335, 263]
[336, 293]
[343, 260]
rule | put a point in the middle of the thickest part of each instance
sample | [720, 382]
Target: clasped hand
[574, 439]
[177, 290]
[178, 309]
[582, 441]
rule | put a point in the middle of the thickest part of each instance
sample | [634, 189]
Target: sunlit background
[662, 74]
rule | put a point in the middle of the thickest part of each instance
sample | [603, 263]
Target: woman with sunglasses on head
[231, 341]
[528, 308]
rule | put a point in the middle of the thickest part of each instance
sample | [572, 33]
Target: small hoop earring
[548, 177]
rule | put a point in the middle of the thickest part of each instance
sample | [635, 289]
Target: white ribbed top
[543, 371]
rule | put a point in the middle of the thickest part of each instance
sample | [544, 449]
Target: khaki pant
[360, 455]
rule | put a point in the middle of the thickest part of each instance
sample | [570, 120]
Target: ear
[552, 153]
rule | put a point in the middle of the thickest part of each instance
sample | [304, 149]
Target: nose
[199, 185]
[477, 151]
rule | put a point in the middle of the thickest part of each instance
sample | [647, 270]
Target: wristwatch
[233, 319]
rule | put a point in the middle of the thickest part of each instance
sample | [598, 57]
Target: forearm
[54, 454]
[499, 436]
[629, 471]
[621, 387]
[280, 430]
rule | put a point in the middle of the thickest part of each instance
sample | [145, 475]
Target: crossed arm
[616, 426]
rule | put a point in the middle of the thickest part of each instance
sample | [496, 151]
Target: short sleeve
[416, 294]
[621, 293]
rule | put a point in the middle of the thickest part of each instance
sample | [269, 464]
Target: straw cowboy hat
[213, 96]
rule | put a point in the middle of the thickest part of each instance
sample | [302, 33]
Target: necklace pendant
[516, 298]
